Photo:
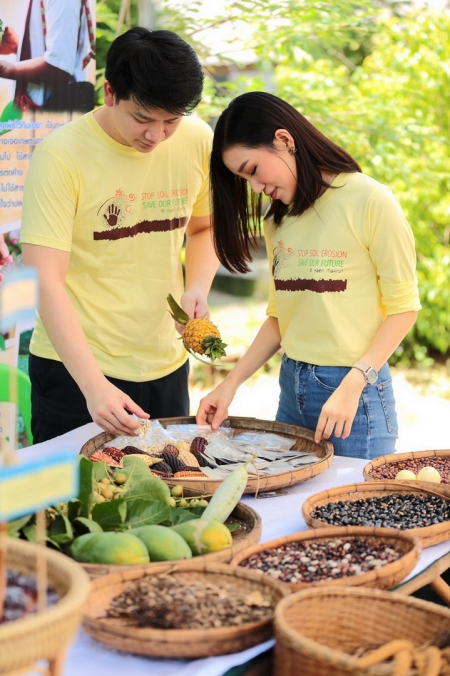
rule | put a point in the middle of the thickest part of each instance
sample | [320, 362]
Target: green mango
[109, 548]
[204, 535]
[163, 543]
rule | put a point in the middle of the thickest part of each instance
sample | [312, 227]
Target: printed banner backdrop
[62, 33]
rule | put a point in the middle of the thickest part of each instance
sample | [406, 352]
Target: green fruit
[171, 502]
[110, 548]
[177, 491]
[204, 536]
[183, 503]
[105, 481]
[79, 545]
[120, 478]
[163, 543]
[107, 493]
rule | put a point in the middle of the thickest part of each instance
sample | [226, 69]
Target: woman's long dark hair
[251, 120]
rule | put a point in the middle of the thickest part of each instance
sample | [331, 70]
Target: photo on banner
[47, 78]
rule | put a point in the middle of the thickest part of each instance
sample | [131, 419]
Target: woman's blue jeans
[304, 390]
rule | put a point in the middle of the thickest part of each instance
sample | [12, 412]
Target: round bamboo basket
[247, 535]
[303, 441]
[429, 535]
[43, 635]
[408, 546]
[182, 643]
[319, 629]
[385, 460]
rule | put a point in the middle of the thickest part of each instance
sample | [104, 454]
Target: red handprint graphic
[112, 215]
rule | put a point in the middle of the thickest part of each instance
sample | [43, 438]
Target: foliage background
[373, 76]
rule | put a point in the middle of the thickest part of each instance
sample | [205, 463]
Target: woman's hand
[213, 409]
[110, 408]
[338, 412]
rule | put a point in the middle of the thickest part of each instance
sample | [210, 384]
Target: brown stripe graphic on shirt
[316, 285]
[143, 226]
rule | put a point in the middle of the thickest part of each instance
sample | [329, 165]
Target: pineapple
[199, 335]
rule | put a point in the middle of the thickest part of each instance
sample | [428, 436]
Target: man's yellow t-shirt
[339, 269]
[122, 215]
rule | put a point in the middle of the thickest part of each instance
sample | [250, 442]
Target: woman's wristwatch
[370, 374]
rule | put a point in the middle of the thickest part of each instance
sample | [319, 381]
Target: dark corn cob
[162, 467]
[202, 461]
[187, 468]
[114, 453]
[174, 463]
[198, 445]
[161, 475]
[170, 448]
[132, 450]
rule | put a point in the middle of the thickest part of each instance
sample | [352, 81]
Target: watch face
[371, 376]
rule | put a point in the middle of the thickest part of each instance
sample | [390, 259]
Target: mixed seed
[391, 469]
[396, 510]
[307, 562]
[168, 602]
[21, 596]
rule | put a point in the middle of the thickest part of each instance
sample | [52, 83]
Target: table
[281, 515]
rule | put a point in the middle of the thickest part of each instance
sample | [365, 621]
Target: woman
[343, 286]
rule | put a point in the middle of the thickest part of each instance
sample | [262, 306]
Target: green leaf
[83, 525]
[30, 533]
[15, 526]
[2, 343]
[180, 515]
[87, 483]
[146, 512]
[136, 470]
[110, 515]
[61, 530]
[151, 488]
[73, 509]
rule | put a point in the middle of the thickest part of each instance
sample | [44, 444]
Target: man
[108, 200]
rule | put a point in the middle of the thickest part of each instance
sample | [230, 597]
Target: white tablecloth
[280, 515]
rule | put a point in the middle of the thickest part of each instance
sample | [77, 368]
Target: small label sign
[31, 487]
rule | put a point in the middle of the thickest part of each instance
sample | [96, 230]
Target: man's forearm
[201, 261]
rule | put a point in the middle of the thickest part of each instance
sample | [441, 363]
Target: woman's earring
[292, 151]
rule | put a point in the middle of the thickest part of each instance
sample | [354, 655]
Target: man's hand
[10, 42]
[110, 408]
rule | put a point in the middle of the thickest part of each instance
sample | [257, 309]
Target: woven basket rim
[177, 636]
[332, 656]
[280, 480]
[392, 458]
[404, 564]
[428, 534]
[70, 602]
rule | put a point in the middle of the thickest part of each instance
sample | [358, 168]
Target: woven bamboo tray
[429, 535]
[317, 630]
[304, 441]
[182, 643]
[443, 489]
[247, 535]
[384, 578]
[46, 634]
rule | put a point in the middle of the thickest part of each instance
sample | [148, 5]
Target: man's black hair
[157, 69]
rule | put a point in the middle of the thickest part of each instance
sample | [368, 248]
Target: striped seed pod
[114, 453]
[170, 448]
[162, 467]
[188, 458]
[187, 473]
[174, 463]
[198, 444]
